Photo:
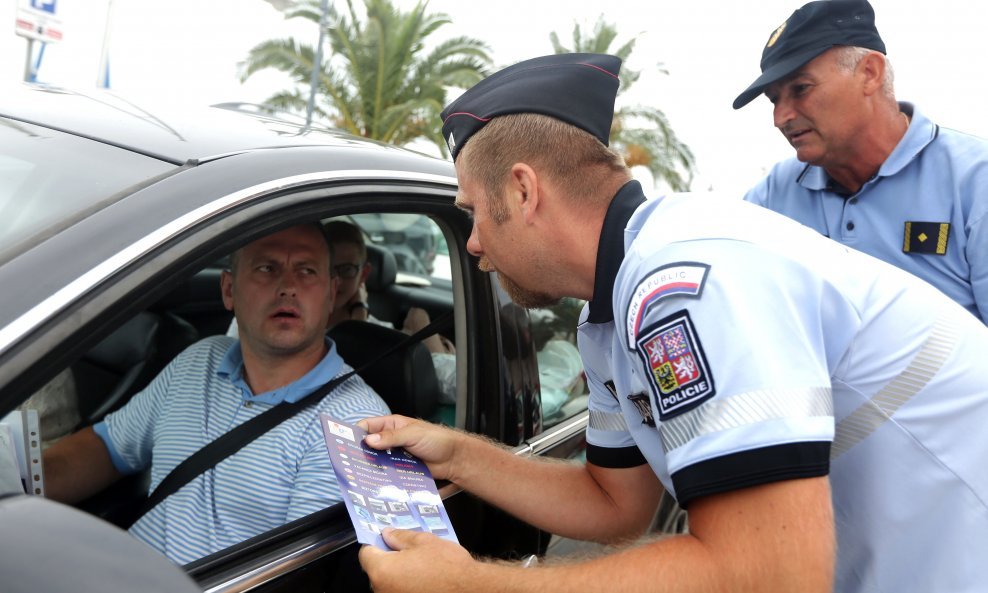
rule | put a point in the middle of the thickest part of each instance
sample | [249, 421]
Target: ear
[525, 187]
[226, 289]
[365, 272]
[872, 70]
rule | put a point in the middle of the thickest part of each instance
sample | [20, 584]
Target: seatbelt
[237, 438]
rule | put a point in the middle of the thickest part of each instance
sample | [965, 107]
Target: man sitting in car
[281, 290]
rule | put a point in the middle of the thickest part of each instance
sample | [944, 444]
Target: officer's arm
[588, 502]
[774, 538]
[564, 497]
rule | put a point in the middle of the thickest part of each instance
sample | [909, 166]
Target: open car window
[123, 238]
[118, 370]
[563, 383]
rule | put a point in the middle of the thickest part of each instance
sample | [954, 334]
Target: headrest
[130, 344]
[384, 268]
[405, 379]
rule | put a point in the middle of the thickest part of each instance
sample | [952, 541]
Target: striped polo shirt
[281, 476]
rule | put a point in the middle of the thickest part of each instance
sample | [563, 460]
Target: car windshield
[48, 179]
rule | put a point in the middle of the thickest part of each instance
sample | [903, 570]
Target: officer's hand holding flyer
[391, 488]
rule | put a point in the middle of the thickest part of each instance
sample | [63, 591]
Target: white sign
[36, 19]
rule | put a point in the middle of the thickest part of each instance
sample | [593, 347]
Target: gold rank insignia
[776, 34]
[926, 237]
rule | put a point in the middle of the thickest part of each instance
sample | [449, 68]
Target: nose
[287, 284]
[782, 113]
[473, 243]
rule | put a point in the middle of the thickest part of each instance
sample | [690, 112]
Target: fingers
[368, 555]
[391, 431]
[379, 423]
[398, 435]
[397, 540]
[403, 539]
[433, 444]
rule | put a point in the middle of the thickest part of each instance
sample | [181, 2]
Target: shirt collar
[610, 250]
[231, 368]
[920, 133]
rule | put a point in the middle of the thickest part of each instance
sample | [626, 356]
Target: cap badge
[775, 35]
[451, 142]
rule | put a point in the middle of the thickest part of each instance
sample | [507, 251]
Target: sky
[186, 52]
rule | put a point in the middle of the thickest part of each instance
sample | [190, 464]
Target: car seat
[127, 360]
[384, 268]
[405, 379]
[379, 283]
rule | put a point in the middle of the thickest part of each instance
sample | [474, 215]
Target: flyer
[390, 488]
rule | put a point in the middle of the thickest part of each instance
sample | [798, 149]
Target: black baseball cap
[810, 31]
[578, 89]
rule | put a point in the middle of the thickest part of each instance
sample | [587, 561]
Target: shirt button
[248, 404]
[850, 226]
[852, 201]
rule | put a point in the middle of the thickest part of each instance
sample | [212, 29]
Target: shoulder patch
[676, 366]
[676, 279]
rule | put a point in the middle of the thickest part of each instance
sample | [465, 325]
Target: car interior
[123, 362]
[108, 374]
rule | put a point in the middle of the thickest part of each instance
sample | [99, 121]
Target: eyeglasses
[347, 270]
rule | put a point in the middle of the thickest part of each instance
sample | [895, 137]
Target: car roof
[164, 133]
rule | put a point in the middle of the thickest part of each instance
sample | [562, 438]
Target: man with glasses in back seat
[352, 268]
[281, 290]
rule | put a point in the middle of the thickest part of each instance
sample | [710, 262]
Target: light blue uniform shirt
[727, 346]
[936, 176]
[281, 476]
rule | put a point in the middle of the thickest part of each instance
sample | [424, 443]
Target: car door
[176, 230]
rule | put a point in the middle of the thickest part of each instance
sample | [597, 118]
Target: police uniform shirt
[925, 211]
[727, 346]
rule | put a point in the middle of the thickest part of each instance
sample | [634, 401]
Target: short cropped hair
[341, 231]
[848, 58]
[235, 256]
[574, 159]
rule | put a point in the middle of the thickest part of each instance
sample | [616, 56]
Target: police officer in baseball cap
[810, 31]
[869, 171]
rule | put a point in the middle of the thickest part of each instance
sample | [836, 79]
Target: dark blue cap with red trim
[578, 89]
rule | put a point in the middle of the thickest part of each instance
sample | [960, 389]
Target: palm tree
[640, 133]
[379, 81]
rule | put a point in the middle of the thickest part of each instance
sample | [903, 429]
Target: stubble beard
[529, 299]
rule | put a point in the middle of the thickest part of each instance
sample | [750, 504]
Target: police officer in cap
[875, 174]
[802, 400]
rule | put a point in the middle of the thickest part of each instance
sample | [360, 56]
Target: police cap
[810, 31]
[578, 89]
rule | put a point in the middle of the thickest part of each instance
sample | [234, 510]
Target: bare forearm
[737, 550]
[557, 496]
[578, 501]
[77, 467]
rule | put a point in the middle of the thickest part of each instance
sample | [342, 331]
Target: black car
[116, 222]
